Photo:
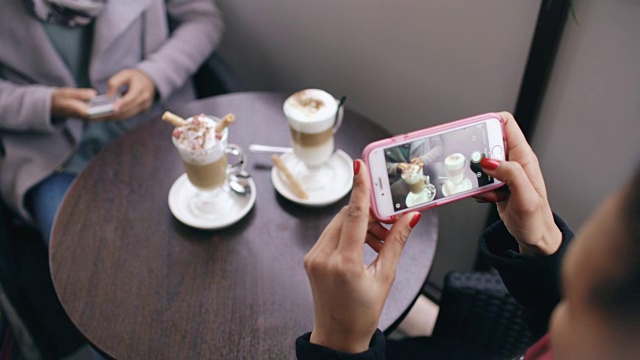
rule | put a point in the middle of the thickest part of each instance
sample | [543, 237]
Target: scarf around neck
[66, 12]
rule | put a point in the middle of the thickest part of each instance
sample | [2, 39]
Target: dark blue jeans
[44, 199]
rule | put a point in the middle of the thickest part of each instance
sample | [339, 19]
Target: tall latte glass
[455, 165]
[204, 156]
[314, 116]
[414, 178]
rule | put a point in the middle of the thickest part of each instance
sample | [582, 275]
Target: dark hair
[619, 296]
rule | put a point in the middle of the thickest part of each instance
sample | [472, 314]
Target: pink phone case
[425, 132]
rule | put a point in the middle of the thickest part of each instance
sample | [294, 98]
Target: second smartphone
[434, 166]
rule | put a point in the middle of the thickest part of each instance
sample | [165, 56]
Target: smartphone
[102, 105]
[434, 166]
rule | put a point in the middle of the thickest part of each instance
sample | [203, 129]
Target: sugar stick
[173, 119]
[226, 121]
[295, 185]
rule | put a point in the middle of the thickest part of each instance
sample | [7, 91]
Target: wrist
[335, 341]
[547, 244]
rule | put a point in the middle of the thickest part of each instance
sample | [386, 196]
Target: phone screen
[437, 166]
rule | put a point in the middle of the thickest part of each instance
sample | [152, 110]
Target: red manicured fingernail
[415, 220]
[489, 164]
[356, 167]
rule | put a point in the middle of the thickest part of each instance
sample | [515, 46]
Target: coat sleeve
[393, 157]
[25, 107]
[305, 350]
[435, 151]
[534, 281]
[392, 168]
[197, 29]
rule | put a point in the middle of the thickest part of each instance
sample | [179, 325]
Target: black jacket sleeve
[308, 351]
[534, 281]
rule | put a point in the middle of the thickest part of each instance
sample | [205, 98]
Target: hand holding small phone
[402, 167]
[449, 177]
[417, 161]
[138, 92]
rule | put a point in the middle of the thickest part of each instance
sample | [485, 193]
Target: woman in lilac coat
[58, 54]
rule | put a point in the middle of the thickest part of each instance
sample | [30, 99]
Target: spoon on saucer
[340, 104]
[239, 182]
[261, 149]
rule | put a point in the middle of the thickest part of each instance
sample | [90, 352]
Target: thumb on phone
[115, 82]
[84, 94]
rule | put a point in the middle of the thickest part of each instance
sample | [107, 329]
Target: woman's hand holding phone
[523, 204]
[348, 296]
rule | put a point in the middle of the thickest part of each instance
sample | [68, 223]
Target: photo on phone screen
[426, 168]
[438, 166]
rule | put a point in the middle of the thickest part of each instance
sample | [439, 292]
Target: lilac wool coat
[167, 39]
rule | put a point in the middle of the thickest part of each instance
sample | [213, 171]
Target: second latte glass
[314, 116]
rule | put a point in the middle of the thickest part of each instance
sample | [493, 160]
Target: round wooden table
[139, 284]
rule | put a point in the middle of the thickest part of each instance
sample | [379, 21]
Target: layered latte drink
[414, 178]
[202, 152]
[311, 114]
[455, 165]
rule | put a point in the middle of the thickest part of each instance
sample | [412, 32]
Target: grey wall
[405, 64]
[588, 138]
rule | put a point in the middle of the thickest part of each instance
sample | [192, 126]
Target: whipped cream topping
[311, 105]
[454, 161]
[310, 111]
[412, 174]
[198, 134]
[197, 142]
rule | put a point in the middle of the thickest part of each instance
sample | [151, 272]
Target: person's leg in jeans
[44, 199]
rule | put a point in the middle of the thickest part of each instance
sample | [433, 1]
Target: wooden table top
[140, 284]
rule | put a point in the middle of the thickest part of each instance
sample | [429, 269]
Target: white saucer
[463, 186]
[426, 195]
[340, 184]
[182, 190]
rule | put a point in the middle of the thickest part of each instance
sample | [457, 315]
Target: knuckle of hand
[344, 209]
[358, 184]
[400, 238]
[389, 276]
[355, 211]
[312, 265]
[308, 262]
[529, 207]
[343, 268]
[507, 115]
[534, 159]
[514, 169]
